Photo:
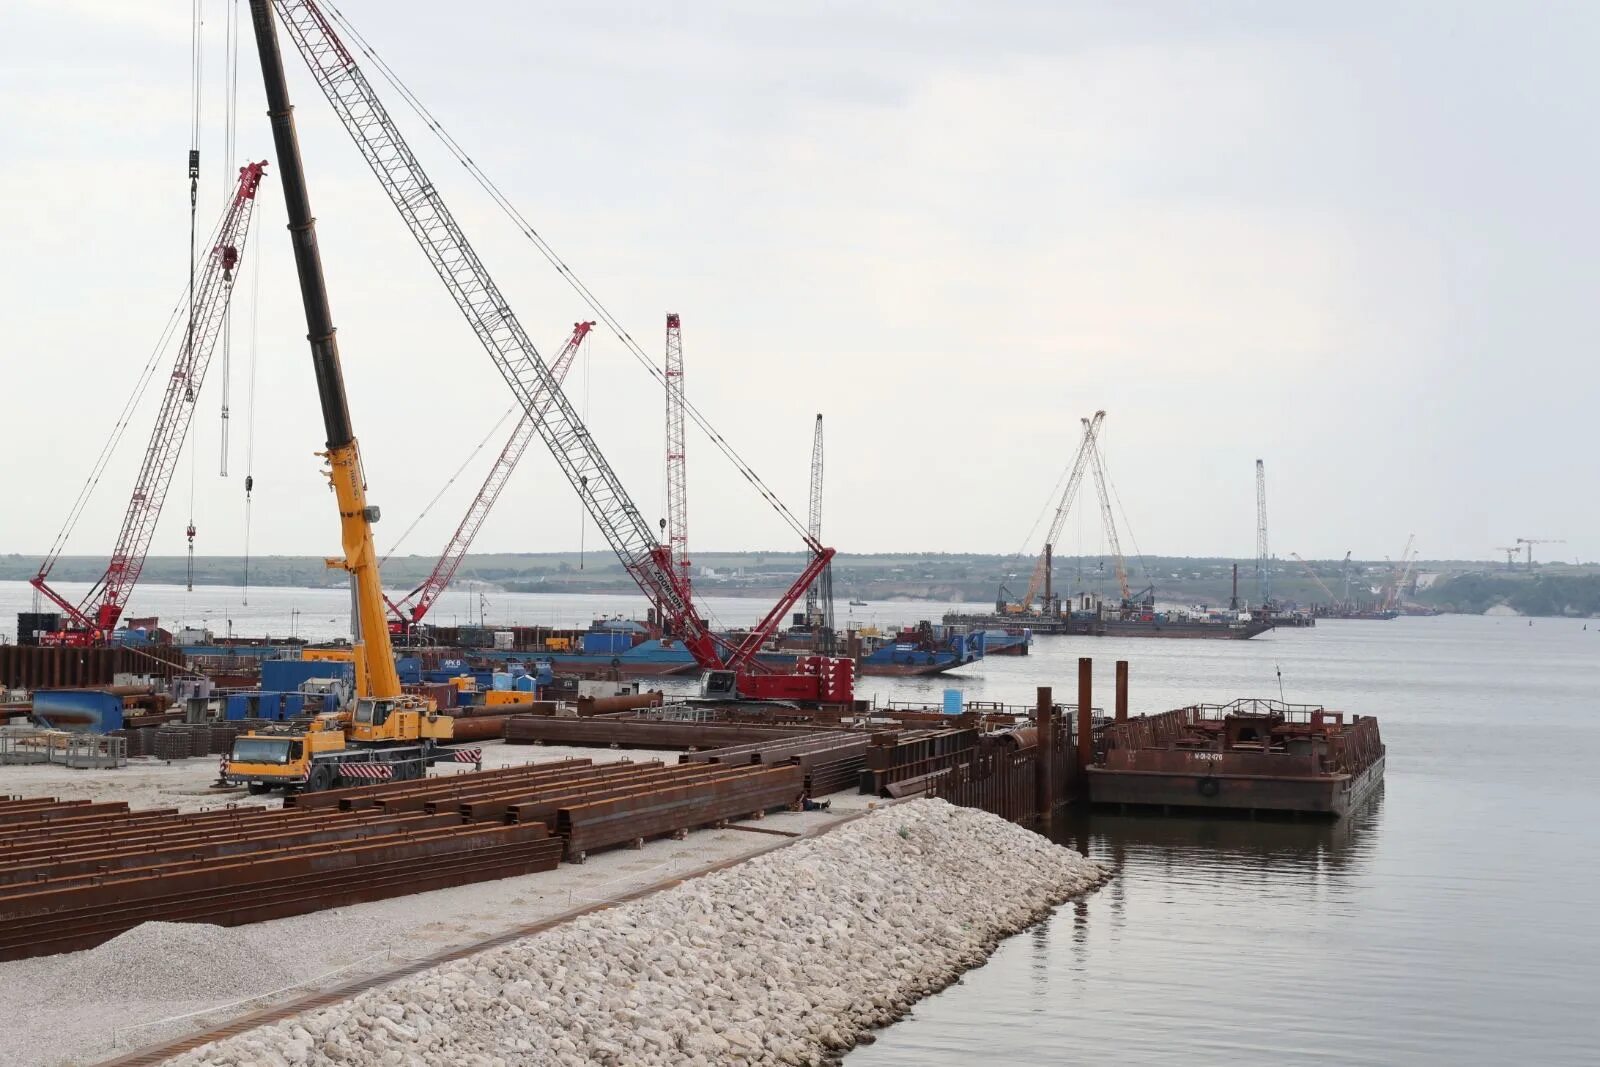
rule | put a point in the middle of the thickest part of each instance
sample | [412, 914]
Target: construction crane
[648, 561]
[1345, 577]
[677, 521]
[1313, 576]
[92, 619]
[409, 611]
[389, 729]
[1263, 566]
[1511, 551]
[819, 596]
[1530, 542]
[1401, 570]
[1040, 578]
[1110, 520]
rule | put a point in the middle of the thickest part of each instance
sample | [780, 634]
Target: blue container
[88, 710]
[525, 683]
[952, 702]
[410, 668]
[605, 643]
[287, 675]
[500, 680]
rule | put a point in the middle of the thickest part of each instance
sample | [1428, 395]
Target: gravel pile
[167, 961]
[788, 958]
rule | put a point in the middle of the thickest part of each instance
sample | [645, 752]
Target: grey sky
[1355, 240]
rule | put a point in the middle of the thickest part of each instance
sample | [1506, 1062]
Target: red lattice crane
[677, 488]
[737, 671]
[411, 608]
[91, 620]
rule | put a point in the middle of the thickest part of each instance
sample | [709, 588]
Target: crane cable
[250, 412]
[230, 110]
[196, 68]
[526, 228]
[398, 541]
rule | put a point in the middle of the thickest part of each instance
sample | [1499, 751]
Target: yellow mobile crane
[390, 734]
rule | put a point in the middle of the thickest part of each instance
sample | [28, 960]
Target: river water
[1455, 919]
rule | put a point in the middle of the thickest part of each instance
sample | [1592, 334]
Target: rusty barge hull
[1250, 755]
[1331, 796]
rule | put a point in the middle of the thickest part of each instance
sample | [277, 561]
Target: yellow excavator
[389, 733]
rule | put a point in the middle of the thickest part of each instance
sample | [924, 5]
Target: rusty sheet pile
[74, 874]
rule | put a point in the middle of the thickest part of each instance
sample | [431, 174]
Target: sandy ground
[59, 1011]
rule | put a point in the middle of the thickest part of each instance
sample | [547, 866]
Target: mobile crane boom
[489, 314]
[93, 618]
[374, 658]
[415, 604]
[1110, 520]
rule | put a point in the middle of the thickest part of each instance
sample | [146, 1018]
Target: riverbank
[790, 957]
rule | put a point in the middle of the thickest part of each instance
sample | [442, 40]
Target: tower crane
[1511, 551]
[677, 482]
[732, 669]
[1110, 520]
[1313, 575]
[1530, 542]
[410, 609]
[1263, 565]
[819, 596]
[1038, 580]
[91, 620]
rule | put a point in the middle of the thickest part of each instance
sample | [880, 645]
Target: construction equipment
[1313, 576]
[92, 619]
[408, 613]
[1511, 551]
[1345, 577]
[390, 733]
[677, 520]
[819, 595]
[1530, 542]
[1039, 581]
[1110, 523]
[1400, 572]
[730, 669]
[1263, 564]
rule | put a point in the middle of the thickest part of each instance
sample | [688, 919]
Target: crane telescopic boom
[1036, 583]
[490, 315]
[93, 618]
[376, 676]
[410, 610]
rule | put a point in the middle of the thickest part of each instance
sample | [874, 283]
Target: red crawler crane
[92, 619]
[411, 608]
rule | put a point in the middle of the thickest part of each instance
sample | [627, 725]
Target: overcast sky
[1356, 240]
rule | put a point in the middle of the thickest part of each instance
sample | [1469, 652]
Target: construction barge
[1250, 755]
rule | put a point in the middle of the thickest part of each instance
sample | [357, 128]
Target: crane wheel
[321, 778]
[255, 789]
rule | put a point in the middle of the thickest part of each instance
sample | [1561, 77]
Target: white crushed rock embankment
[787, 958]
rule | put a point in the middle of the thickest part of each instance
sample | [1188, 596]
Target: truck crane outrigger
[730, 669]
[390, 733]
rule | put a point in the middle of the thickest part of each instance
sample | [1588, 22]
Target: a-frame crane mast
[1036, 582]
[490, 315]
[91, 620]
[411, 609]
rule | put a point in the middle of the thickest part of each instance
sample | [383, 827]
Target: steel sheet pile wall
[29, 667]
[73, 875]
[638, 733]
[899, 763]
[832, 761]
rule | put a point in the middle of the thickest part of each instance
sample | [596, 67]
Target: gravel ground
[787, 958]
[81, 1007]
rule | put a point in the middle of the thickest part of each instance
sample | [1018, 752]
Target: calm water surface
[1456, 919]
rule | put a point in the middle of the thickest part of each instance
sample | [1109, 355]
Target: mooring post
[1122, 690]
[1044, 787]
[1085, 719]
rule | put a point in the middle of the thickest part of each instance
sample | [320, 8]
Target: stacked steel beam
[638, 733]
[831, 761]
